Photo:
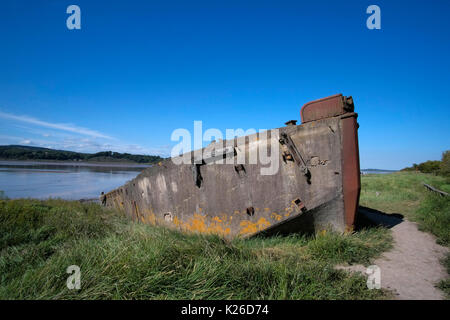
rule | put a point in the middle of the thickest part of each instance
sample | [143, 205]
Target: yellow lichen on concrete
[137, 213]
[199, 223]
[276, 216]
[249, 227]
[217, 228]
[288, 210]
[151, 218]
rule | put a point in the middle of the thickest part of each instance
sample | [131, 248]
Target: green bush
[433, 166]
[430, 166]
[445, 164]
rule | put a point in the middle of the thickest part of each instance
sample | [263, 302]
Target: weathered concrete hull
[316, 186]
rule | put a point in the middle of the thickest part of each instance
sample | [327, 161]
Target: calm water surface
[71, 181]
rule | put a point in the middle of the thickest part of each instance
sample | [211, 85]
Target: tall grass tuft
[433, 216]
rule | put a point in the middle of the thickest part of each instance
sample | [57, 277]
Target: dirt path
[412, 268]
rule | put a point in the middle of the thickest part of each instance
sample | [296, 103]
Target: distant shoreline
[383, 170]
[41, 155]
[73, 163]
[377, 171]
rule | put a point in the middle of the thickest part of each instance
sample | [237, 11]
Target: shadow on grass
[371, 218]
[366, 218]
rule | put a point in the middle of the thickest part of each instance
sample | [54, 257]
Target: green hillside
[17, 152]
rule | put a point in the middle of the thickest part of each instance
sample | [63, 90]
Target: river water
[71, 181]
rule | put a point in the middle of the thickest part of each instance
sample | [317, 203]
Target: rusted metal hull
[316, 186]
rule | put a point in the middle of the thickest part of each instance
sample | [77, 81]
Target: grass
[400, 192]
[120, 259]
[444, 285]
[404, 193]
[433, 216]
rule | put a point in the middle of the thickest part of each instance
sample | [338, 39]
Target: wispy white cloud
[89, 145]
[57, 126]
[33, 131]
[10, 138]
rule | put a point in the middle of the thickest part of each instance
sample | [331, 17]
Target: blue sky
[137, 70]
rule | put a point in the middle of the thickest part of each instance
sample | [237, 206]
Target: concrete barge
[220, 190]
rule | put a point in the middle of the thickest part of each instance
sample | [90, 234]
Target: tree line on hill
[16, 152]
[437, 167]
